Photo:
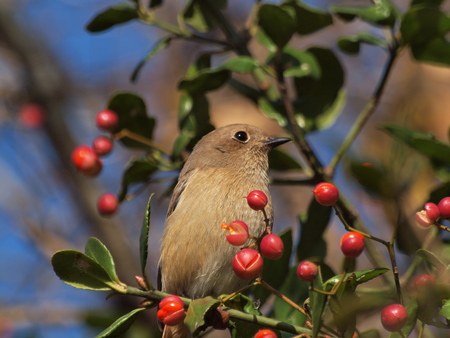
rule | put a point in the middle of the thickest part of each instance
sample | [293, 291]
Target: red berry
[444, 207]
[257, 200]
[432, 211]
[247, 263]
[171, 311]
[423, 220]
[32, 115]
[272, 247]
[307, 271]
[102, 145]
[107, 120]
[238, 232]
[326, 194]
[424, 281]
[265, 333]
[107, 204]
[86, 161]
[352, 244]
[393, 317]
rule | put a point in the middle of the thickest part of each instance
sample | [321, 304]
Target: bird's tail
[176, 331]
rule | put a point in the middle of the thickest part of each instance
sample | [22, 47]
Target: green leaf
[241, 64]
[137, 170]
[371, 177]
[425, 143]
[98, 252]
[300, 63]
[143, 242]
[445, 310]
[156, 48]
[277, 23]
[206, 80]
[313, 226]
[317, 302]
[197, 13]
[132, 113]
[360, 277]
[242, 303]
[351, 44]
[381, 14]
[194, 122]
[265, 41]
[281, 161]
[307, 19]
[432, 259]
[114, 15]
[411, 309]
[425, 29]
[121, 325]
[249, 92]
[372, 333]
[320, 100]
[275, 272]
[297, 292]
[196, 312]
[273, 111]
[81, 271]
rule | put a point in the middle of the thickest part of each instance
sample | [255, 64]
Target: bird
[223, 168]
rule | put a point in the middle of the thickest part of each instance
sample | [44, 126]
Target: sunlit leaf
[379, 14]
[98, 252]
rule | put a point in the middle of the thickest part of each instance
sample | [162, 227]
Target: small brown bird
[223, 168]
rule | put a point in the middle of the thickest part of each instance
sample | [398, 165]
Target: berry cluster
[432, 212]
[87, 159]
[248, 262]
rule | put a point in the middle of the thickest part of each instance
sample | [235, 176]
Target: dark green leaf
[435, 51]
[132, 113]
[273, 111]
[199, 14]
[439, 193]
[432, 259]
[426, 2]
[411, 309]
[205, 80]
[194, 122]
[114, 15]
[295, 290]
[277, 23]
[360, 277]
[425, 143]
[275, 272]
[137, 170]
[313, 226]
[240, 64]
[82, 272]
[155, 3]
[371, 177]
[344, 305]
[372, 333]
[98, 252]
[378, 14]
[121, 325]
[196, 312]
[143, 242]
[320, 100]
[307, 19]
[280, 160]
[242, 303]
[351, 44]
[317, 302]
[159, 46]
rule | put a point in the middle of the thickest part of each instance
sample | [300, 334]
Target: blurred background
[55, 77]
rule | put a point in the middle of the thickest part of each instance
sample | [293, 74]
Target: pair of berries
[248, 263]
[432, 212]
[171, 311]
[85, 158]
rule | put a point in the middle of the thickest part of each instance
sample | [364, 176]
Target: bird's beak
[275, 142]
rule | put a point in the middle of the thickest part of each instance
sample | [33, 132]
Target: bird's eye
[241, 136]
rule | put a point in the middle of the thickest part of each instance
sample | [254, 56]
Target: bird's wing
[179, 188]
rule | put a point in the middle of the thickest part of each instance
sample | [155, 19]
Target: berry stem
[127, 133]
[283, 297]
